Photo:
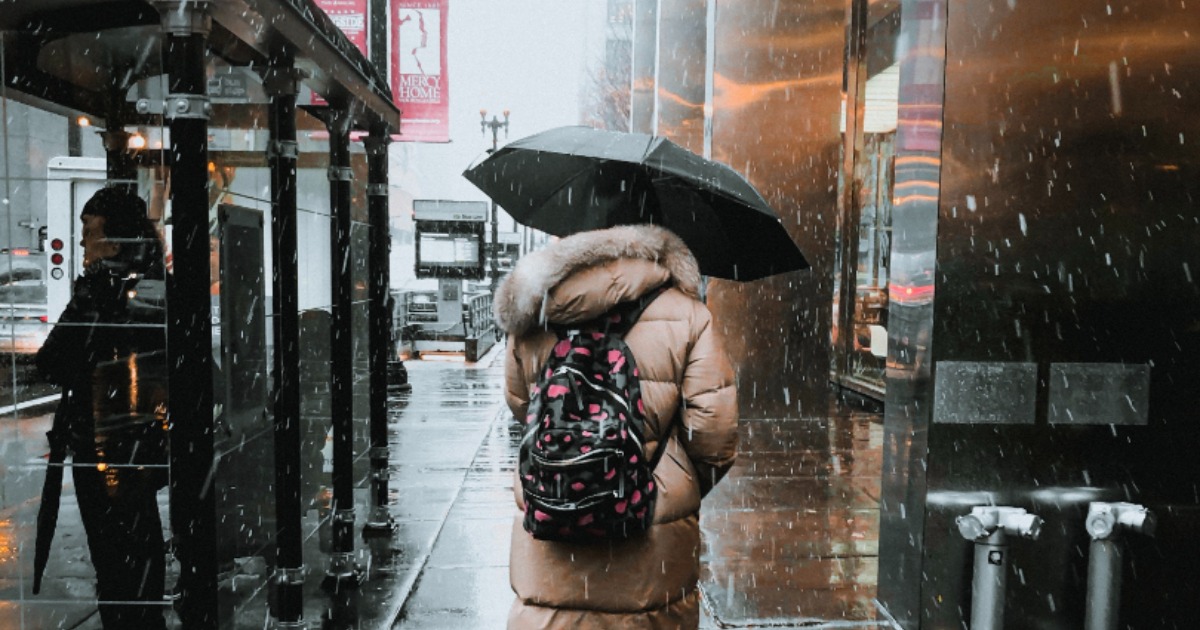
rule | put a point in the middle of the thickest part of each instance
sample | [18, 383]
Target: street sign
[449, 238]
[444, 210]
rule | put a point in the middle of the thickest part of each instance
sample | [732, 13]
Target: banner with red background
[420, 85]
[351, 17]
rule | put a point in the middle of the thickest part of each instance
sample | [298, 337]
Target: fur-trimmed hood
[520, 301]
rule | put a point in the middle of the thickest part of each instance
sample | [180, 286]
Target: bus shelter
[257, 135]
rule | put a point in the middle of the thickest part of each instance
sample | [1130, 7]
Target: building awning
[83, 55]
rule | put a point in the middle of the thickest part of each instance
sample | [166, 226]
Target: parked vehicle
[24, 321]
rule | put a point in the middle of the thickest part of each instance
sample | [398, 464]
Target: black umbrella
[47, 518]
[573, 179]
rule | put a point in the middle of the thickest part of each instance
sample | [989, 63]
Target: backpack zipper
[586, 502]
[594, 386]
[566, 463]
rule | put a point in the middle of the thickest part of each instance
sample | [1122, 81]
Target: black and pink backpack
[583, 464]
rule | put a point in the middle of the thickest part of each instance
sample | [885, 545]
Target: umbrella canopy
[573, 179]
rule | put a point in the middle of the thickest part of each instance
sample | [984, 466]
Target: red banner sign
[351, 17]
[420, 87]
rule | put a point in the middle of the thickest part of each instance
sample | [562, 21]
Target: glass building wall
[776, 74]
[996, 198]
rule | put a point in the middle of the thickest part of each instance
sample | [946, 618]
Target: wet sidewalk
[791, 535]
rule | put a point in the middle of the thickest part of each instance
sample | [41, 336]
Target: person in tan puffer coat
[648, 581]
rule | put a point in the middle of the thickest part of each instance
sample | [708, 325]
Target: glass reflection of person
[106, 351]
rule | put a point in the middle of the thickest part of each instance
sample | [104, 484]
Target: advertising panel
[420, 86]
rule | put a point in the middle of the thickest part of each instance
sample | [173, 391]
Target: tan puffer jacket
[651, 581]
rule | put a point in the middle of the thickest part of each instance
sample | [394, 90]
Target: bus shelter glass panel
[244, 438]
[360, 243]
[84, 390]
[314, 224]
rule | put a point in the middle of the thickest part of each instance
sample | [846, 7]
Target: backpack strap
[639, 306]
[617, 321]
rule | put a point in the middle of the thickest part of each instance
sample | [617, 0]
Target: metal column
[341, 570]
[1105, 522]
[989, 528]
[377, 32]
[282, 83]
[186, 24]
[380, 343]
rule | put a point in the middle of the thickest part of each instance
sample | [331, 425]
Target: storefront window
[869, 128]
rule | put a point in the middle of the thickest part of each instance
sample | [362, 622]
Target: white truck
[71, 182]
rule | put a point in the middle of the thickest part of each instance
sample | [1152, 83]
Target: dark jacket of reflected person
[107, 351]
[649, 581]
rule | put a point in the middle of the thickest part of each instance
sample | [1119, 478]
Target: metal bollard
[989, 528]
[1105, 522]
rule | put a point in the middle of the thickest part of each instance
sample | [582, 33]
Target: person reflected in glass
[107, 351]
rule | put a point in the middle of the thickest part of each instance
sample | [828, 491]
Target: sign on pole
[449, 238]
[420, 85]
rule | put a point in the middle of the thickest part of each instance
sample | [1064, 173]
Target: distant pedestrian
[650, 579]
[107, 351]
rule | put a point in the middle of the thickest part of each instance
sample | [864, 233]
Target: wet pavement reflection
[791, 535]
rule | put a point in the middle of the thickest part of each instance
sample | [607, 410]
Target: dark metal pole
[377, 32]
[341, 562]
[74, 137]
[189, 324]
[495, 125]
[493, 263]
[120, 168]
[119, 164]
[380, 343]
[282, 83]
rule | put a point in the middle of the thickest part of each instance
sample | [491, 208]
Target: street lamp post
[495, 124]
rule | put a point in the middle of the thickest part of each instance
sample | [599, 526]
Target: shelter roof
[78, 54]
